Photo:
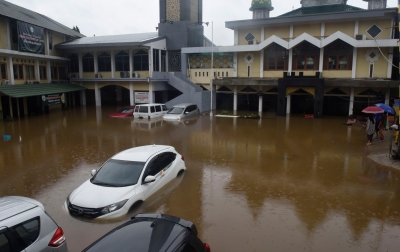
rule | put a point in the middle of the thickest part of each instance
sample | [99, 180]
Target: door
[166, 161]
[153, 168]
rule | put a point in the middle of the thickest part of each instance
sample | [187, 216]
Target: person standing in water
[370, 128]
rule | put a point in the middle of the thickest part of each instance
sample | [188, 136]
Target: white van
[149, 111]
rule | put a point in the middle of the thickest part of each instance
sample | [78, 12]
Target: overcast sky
[104, 17]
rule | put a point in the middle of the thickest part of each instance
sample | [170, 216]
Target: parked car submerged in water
[182, 111]
[128, 177]
[151, 232]
[149, 111]
[25, 226]
[123, 112]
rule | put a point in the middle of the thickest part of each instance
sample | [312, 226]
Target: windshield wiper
[102, 183]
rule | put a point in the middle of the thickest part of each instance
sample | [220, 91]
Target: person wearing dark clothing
[370, 128]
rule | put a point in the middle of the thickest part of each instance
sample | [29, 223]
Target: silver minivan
[25, 226]
[182, 111]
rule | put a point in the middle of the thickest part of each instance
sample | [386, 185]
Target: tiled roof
[321, 9]
[16, 12]
[27, 90]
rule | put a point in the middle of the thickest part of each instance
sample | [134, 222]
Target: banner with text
[51, 99]
[141, 97]
[30, 38]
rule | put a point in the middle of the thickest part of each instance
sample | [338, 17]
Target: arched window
[306, 57]
[338, 55]
[276, 58]
[104, 62]
[88, 63]
[141, 61]
[122, 61]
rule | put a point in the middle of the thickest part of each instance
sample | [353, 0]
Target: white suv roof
[14, 205]
[150, 104]
[140, 154]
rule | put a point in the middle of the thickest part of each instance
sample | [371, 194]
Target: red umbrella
[373, 110]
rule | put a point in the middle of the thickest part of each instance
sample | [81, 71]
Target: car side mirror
[149, 179]
[93, 172]
[187, 112]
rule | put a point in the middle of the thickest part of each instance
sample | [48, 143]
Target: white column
[37, 70]
[8, 34]
[10, 69]
[356, 25]
[290, 61]
[80, 64]
[390, 63]
[288, 105]
[130, 64]
[260, 101]
[97, 93]
[354, 64]
[235, 95]
[351, 105]
[236, 37]
[112, 64]
[159, 60]
[48, 71]
[131, 96]
[387, 96]
[150, 62]
[261, 63]
[150, 92]
[96, 63]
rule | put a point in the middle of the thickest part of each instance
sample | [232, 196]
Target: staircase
[191, 93]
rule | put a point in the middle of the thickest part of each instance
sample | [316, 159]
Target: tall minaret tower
[261, 8]
[181, 22]
[376, 4]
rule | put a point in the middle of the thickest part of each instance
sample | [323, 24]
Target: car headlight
[113, 207]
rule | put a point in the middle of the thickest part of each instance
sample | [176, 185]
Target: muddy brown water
[276, 184]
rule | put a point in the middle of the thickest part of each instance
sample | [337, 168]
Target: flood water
[276, 184]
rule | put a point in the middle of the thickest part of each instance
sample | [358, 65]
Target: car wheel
[180, 172]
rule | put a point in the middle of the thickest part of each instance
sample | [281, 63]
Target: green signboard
[51, 99]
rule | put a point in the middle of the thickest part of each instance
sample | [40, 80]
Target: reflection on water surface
[276, 184]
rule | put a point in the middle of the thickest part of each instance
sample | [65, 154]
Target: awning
[27, 90]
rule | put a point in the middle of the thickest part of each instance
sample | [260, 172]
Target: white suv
[25, 226]
[149, 111]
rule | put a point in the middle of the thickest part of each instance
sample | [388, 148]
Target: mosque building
[325, 58]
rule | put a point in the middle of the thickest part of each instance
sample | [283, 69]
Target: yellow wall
[255, 66]
[382, 24]
[105, 74]
[57, 39]
[273, 74]
[380, 66]
[255, 31]
[196, 75]
[3, 33]
[88, 75]
[336, 74]
[282, 32]
[345, 27]
[311, 29]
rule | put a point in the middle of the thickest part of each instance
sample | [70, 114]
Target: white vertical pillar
[97, 93]
[112, 64]
[354, 64]
[150, 92]
[288, 103]
[95, 63]
[321, 60]
[80, 65]
[10, 69]
[48, 71]
[387, 96]
[262, 63]
[236, 37]
[260, 101]
[235, 95]
[390, 63]
[150, 53]
[290, 61]
[37, 70]
[351, 105]
[130, 63]
[131, 97]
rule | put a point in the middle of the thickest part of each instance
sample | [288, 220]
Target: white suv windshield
[118, 173]
[175, 111]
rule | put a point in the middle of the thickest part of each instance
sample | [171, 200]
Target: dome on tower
[261, 4]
